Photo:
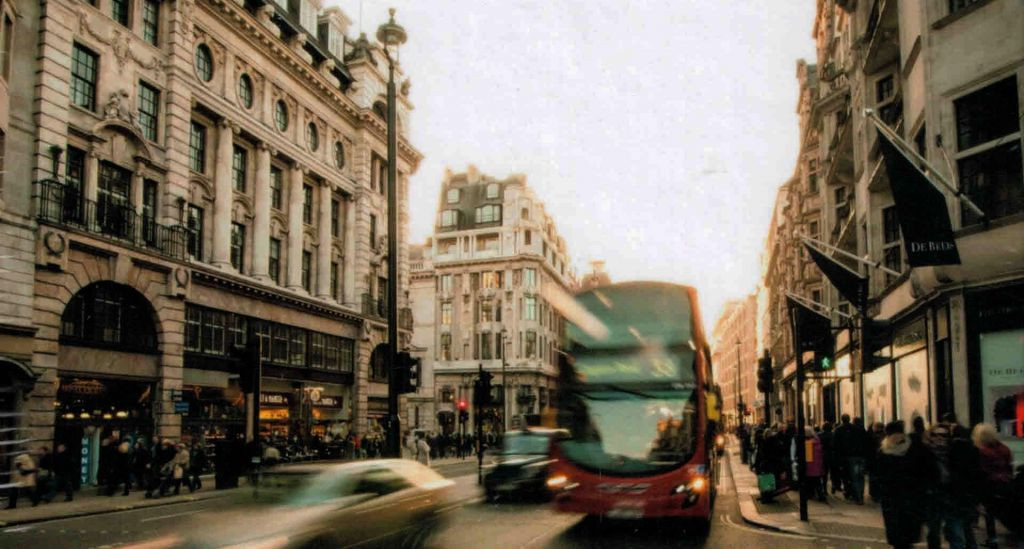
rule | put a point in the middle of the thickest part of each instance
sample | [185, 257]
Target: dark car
[521, 464]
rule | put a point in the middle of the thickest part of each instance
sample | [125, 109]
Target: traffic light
[764, 373]
[825, 353]
[482, 389]
[408, 373]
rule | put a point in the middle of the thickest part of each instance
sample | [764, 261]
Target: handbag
[766, 483]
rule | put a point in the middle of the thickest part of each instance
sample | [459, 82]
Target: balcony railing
[114, 220]
[375, 307]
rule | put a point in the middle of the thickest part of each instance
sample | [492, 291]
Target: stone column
[261, 217]
[294, 278]
[92, 177]
[348, 263]
[138, 182]
[324, 239]
[222, 196]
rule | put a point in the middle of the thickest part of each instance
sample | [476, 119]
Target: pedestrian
[164, 467]
[108, 451]
[852, 443]
[877, 434]
[64, 469]
[141, 462]
[179, 465]
[23, 477]
[815, 465]
[46, 485]
[959, 477]
[996, 462]
[197, 465]
[903, 468]
[423, 451]
[825, 436]
[120, 468]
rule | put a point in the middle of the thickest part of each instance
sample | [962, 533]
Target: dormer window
[449, 218]
[490, 213]
[492, 190]
[453, 196]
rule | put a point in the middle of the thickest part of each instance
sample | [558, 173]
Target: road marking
[162, 517]
[16, 529]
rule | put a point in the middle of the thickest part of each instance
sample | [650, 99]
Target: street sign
[180, 407]
[176, 395]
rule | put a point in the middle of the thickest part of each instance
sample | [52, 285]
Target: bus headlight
[692, 490]
[560, 482]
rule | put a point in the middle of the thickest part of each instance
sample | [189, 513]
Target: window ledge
[951, 18]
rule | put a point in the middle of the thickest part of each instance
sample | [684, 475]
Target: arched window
[378, 363]
[245, 90]
[281, 115]
[204, 63]
[312, 137]
[110, 315]
[339, 155]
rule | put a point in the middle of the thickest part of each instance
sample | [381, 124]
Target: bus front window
[624, 432]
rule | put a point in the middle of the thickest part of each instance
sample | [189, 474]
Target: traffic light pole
[801, 448]
[393, 432]
[478, 400]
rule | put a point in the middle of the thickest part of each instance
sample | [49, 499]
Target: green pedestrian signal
[826, 363]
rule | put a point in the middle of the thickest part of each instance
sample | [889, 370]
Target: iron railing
[115, 220]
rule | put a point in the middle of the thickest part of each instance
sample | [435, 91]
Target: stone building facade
[947, 76]
[182, 175]
[482, 278]
[734, 355]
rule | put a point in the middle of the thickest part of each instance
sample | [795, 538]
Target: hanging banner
[809, 326]
[847, 282]
[920, 210]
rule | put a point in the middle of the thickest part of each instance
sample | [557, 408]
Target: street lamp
[504, 377]
[740, 408]
[392, 35]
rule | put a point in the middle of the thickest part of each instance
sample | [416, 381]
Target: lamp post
[504, 378]
[739, 395]
[392, 35]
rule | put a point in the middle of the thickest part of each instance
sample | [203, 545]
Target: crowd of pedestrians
[158, 466]
[940, 479]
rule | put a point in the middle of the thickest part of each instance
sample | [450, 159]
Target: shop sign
[86, 461]
[275, 399]
[328, 402]
[89, 387]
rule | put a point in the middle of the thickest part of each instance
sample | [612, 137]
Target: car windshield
[628, 432]
[299, 489]
[525, 444]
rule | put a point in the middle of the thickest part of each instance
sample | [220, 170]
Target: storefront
[214, 413]
[276, 415]
[91, 410]
[995, 327]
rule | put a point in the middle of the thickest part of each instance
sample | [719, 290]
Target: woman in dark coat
[903, 470]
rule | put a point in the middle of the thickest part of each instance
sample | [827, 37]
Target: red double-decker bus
[638, 400]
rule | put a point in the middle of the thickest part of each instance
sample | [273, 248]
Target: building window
[884, 89]
[529, 308]
[989, 120]
[339, 155]
[276, 187]
[204, 63]
[527, 237]
[120, 11]
[489, 213]
[529, 278]
[492, 190]
[239, 159]
[312, 137]
[193, 326]
[237, 246]
[335, 217]
[957, 5]
[812, 183]
[531, 344]
[485, 346]
[525, 213]
[274, 260]
[334, 281]
[149, 109]
[194, 230]
[84, 66]
[816, 296]
[491, 279]
[307, 270]
[449, 219]
[445, 283]
[106, 314]
[378, 174]
[487, 243]
[307, 204]
[279, 343]
[812, 229]
[197, 147]
[891, 240]
[447, 246]
[446, 313]
[297, 347]
[446, 347]
[281, 115]
[452, 196]
[245, 95]
[373, 231]
[151, 21]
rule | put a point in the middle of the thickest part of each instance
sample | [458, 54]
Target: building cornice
[240, 287]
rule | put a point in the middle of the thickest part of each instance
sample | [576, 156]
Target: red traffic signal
[463, 404]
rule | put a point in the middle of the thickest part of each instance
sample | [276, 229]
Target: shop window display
[1002, 390]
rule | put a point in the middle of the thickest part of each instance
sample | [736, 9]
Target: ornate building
[187, 174]
[482, 280]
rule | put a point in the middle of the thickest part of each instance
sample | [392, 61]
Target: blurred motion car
[380, 503]
[520, 465]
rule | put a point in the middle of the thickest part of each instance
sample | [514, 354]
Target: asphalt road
[473, 523]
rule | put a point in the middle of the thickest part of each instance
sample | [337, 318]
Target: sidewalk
[836, 518]
[88, 502]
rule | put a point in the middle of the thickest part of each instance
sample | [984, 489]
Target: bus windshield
[629, 432]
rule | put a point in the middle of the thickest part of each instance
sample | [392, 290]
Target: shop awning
[921, 210]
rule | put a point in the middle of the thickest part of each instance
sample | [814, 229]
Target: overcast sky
[656, 132]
